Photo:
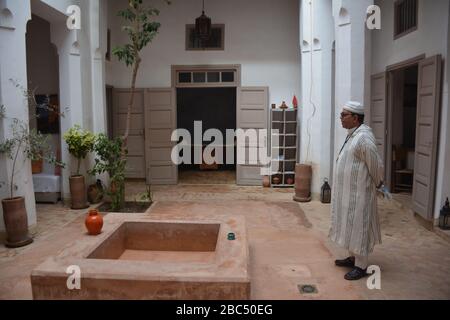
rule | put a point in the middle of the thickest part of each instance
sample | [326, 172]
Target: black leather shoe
[356, 274]
[347, 262]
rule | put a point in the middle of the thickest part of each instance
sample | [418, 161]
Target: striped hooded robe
[358, 171]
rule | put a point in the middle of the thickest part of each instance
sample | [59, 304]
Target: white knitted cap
[354, 107]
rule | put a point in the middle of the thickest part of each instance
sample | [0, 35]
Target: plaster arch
[6, 19]
[343, 17]
[75, 48]
[305, 46]
[316, 44]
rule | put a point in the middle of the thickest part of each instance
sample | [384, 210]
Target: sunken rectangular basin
[141, 258]
[160, 241]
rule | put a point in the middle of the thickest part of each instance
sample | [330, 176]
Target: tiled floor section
[288, 244]
[207, 177]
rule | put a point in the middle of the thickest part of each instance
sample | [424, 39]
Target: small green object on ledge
[231, 236]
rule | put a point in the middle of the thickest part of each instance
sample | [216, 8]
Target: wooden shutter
[428, 106]
[135, 167]
[160, 121]
[378, 112]
[252, 110]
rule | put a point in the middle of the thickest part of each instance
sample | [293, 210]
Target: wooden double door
[427, 126]
[154, 118]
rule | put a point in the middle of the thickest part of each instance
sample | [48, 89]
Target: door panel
[135, 167]
[252, 109]
[428, 108]
[378, 112]
[160, 121]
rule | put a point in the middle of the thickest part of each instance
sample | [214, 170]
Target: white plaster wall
[353, 46]
[317, 40]
[431, 38]
[13, 66]
[261, 35]
[60, 5]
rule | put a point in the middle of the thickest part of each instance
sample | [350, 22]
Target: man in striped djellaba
[357, 176]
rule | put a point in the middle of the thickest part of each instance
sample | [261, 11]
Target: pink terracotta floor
[288, 244]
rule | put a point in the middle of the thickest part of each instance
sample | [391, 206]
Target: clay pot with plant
[21, 145]
[80, 142]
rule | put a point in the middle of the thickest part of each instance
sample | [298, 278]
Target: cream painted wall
[13, 66]
[431, 38]
[60, 5]
[261, 35]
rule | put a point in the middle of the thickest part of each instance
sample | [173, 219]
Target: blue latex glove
[384, 192]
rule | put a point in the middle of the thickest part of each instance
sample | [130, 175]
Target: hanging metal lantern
[325, 192]
[203, 25]
[444, 217]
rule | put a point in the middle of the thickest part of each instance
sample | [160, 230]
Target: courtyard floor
[287, 240]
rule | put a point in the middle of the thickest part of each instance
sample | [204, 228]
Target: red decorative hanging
[295, 102]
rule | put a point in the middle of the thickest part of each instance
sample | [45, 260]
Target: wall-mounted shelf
[284, 156]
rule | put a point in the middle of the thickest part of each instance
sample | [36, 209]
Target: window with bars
[405, 17]
[202, 77]
[215, 41]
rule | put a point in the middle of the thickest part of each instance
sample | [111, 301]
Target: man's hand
[383, 191]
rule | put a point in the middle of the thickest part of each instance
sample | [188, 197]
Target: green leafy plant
[33, 144]
[141, 31]
[80, 143]
[108, 159]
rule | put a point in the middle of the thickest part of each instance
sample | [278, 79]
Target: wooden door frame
[110, 111]
[206, 67]
[390, 69]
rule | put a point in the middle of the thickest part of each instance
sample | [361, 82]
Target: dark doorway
[404, 113]
[216, 108]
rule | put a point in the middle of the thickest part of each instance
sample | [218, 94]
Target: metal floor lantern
[444, 217]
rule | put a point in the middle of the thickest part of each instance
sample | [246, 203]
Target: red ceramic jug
[94, 222]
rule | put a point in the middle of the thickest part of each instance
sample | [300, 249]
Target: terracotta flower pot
[94, 222]
[95, 193]
[303, 176]
[266, 181]
[78, 192]
[16, 222]
[36, 166]
[276, 180]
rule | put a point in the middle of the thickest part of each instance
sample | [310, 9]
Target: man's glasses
[344, 114]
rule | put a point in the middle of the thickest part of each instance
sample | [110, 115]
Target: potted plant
[80, 143]
[109, 159]
[35, 147]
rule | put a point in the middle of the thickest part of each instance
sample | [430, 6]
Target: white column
[98, 37]
[316, 44]
[353, 60]
[98, 27]
[443, 163]
[14, 16]
[71, 94]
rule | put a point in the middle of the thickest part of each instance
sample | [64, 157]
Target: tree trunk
[130, 105]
